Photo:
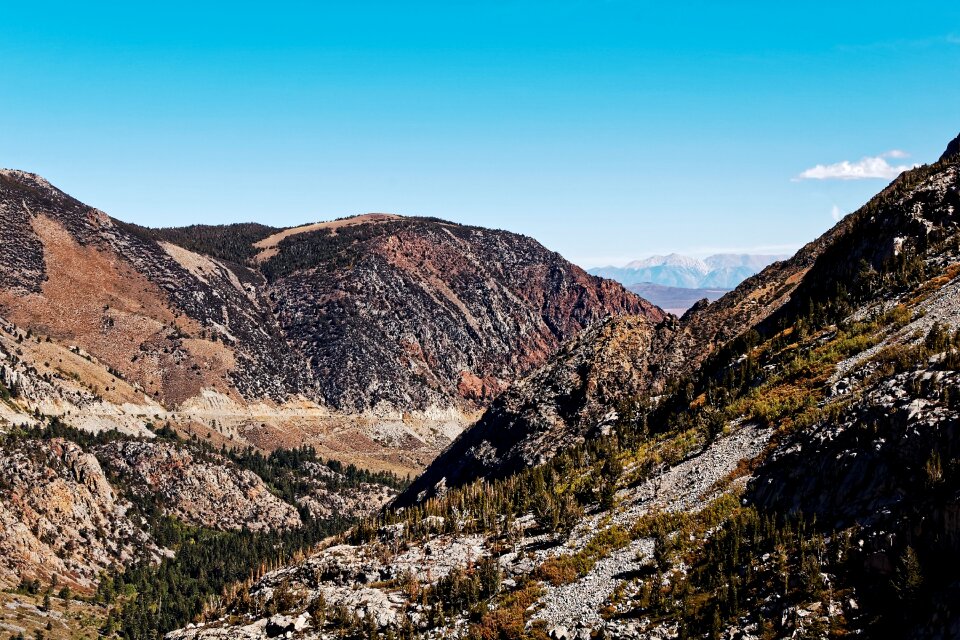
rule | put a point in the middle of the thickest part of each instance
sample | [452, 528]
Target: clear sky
[608, 130]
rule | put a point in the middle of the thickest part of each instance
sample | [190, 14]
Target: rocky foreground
[375, 580]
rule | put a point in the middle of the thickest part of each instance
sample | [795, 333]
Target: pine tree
[909, 577]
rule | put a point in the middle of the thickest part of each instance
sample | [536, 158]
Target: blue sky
[607, 130]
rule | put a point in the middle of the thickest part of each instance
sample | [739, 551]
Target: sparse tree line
[146, 600]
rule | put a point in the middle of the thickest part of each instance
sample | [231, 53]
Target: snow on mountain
[719, 271]
[671, 260]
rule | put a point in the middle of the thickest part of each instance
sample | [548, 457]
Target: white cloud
[835, 213]
[864, 168]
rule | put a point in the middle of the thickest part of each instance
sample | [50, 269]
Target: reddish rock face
[377, 312]
[421, 313]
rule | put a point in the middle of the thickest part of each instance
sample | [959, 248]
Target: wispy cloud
[862, 169]
[836, 214]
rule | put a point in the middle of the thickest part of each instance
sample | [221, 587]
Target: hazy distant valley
[676, 282]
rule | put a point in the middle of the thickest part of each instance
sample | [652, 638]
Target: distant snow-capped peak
[670, 260]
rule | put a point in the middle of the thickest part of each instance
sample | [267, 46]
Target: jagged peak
[953, 148]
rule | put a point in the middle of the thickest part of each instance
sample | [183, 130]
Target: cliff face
[375, 338]
[60, 518]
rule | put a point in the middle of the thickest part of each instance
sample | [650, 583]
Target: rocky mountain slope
[900, 223]
[204, 491]
[411, 314]
[61, 518]
[780, 463]
[90, 513]
[185, 404]
[375, 338]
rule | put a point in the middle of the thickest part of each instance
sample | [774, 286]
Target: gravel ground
[686, 486]
[942, 306]
[578, 604]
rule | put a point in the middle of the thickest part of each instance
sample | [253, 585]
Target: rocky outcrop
[200, 489]
[332, 496]
[60, 517]
[573, 397]
[869, 464]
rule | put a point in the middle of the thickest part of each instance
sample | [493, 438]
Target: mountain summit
[670, 260]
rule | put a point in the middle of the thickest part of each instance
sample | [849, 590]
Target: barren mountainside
[375, 338]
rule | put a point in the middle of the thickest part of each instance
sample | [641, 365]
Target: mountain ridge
[375, 338]
[718, 271]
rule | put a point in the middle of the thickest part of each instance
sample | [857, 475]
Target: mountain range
[778, 463]
[720, 271]
[375, 338]
[782, 462]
